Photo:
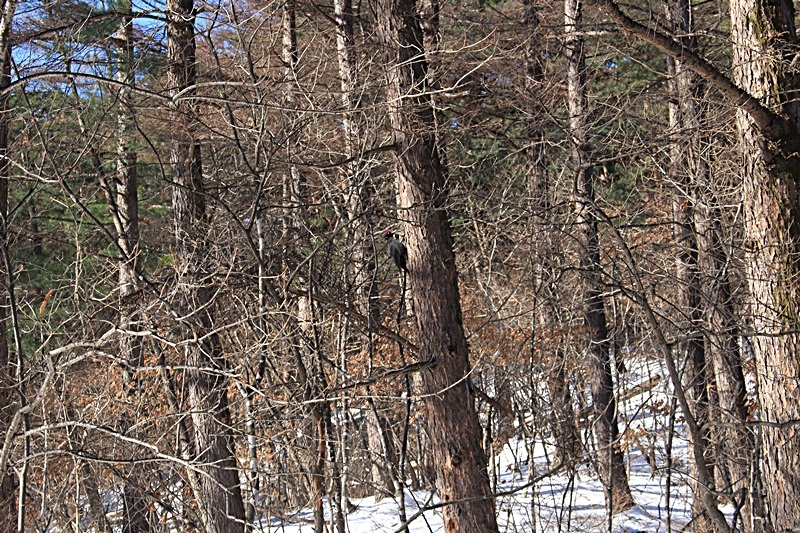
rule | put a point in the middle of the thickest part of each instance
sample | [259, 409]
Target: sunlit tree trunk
[422, 189]
[222, 508]
[124, 210]
[609, 458]
[765, 40]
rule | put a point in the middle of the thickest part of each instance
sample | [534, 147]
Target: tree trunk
[764, 38]
[609, 457]
[222, 508]
[379, 455]
[359, 198]
[359, 213]
[422, 189]
[124, 208]
[686, 168]
[736, 441]
[88, 484]
[546, 250]
[8, 485]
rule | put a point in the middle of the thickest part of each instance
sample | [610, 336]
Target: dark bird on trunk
[397, 251]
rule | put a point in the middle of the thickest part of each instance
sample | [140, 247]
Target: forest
[264, 261]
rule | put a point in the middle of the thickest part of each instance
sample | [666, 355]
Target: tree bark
[609, 458]
[422, 189]
[222, 508]
[764, 38]
[124, 208]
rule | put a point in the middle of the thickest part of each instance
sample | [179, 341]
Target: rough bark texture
[422, 188]
[609, 458]
[221, 508]
[764, 38]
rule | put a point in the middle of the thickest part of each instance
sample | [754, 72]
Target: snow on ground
[560, 503]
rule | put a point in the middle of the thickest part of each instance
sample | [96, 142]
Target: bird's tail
[401, 311]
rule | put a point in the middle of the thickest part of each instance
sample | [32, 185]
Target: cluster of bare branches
[200, 327]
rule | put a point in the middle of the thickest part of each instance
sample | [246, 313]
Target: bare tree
[699, 222]
[764, 43]
[123, 202]
[684, 115]
[609, 457]
[545, 243]
[221, 508]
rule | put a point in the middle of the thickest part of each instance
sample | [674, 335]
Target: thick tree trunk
[764, 38]
[222, 508]
[609, 458]
[422, 188]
